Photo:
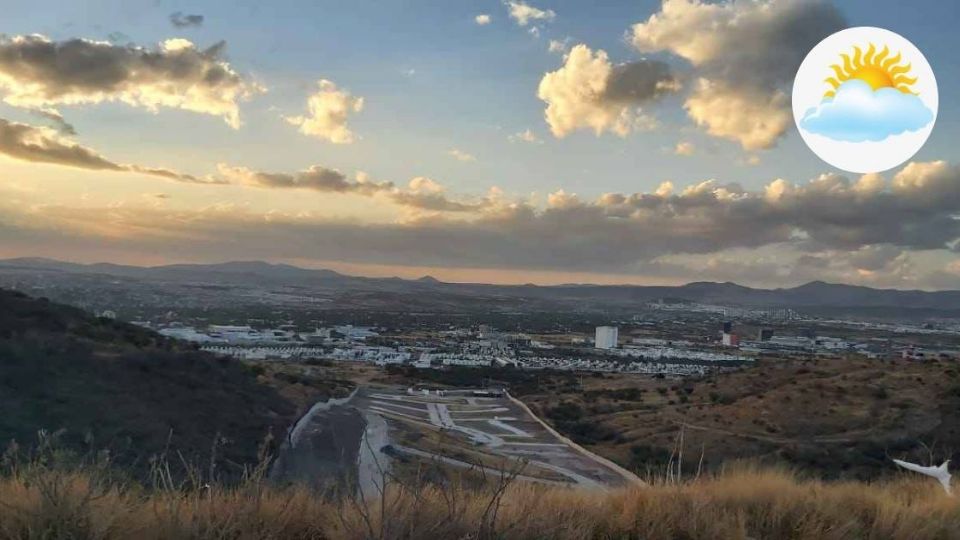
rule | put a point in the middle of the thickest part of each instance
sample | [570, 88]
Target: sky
[541, 141]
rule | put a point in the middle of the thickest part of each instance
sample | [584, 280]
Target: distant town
[634, 346]
[263, 312]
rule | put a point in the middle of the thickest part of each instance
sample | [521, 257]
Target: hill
[831, 418]
[112, 385]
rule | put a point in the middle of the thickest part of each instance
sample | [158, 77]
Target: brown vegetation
[104, 386]
[40, 502]
[835, 418]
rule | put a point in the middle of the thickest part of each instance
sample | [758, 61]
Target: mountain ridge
[253, 265]
[427, 290]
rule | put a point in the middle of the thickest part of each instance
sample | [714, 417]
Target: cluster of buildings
[485, 347]
[607, 339]
[772, 314]
[380, 356]
[489, 350]
[228, 334]
[680, 354]
[458, 359]
[248, 336]
[614, 366]
[278, 352]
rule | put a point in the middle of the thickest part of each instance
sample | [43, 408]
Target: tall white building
[607, 337]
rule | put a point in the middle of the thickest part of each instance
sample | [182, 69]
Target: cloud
[139, 233]
[748, 51]
[181, 20]
[460, 155]
[524, 13]
[684, 148]
[421, 193]
[557, 46]
[922, 185]
[526, 136]
[64, 127]
[315, 178]
[762, 41]
[916, 210]
[424, 194]
[44, 145]
[327, 114]
[38, 73]
[858, 230]
[754, 119]
[858, 113]
[589, 92]
[483, 19]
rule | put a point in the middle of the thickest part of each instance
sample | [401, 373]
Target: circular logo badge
[865, 100]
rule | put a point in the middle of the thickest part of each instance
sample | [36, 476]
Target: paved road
[325, 450]
[372, 463]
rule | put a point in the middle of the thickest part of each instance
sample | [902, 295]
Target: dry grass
[38, 502]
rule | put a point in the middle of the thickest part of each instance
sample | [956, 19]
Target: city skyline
[504, 142]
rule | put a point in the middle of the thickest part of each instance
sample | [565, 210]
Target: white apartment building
[606, 337]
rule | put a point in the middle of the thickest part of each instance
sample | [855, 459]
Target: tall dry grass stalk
[39, 501]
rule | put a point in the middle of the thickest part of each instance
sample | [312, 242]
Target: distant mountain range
[272, 283]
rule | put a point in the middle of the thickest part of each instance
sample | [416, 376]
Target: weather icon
[864, 107]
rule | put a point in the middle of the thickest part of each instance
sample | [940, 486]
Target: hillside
[115, 386]
[831, 418]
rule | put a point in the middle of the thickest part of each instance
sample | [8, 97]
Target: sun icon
[878, 70]
[865, 99]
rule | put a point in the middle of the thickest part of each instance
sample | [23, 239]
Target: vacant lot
[492, 434]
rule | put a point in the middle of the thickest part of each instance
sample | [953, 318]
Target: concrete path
[372, 463]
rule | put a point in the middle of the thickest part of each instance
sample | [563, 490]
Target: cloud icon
[858, 113]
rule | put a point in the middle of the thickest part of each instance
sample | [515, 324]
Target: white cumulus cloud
[557, 46]
[327, 114]
[527, 136]
[748, 51]
[460, 155]
[39, 73]
[590, 92]
[524, 13]
[754, 119]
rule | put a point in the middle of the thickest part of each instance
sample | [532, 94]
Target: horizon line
[428, 277]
